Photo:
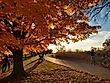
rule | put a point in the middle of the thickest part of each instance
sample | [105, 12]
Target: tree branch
[98, 8]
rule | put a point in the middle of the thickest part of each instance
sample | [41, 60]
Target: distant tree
[106, 43]
[61, 49]
[49, 51]
[106, 46]
[69, 51]
[77, 50]
[34, 24]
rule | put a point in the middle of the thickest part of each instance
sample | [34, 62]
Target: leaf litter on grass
[48, 72]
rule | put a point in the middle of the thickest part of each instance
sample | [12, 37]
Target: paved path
[80, 65]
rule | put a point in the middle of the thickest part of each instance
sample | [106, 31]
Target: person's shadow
[39, 61]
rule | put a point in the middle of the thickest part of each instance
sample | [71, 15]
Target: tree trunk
[18, 69]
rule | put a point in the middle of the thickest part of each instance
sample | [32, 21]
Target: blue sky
[95, 40]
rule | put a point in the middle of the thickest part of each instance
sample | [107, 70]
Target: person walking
[93, 57]
[0, 61]
[41, 55]
[5, 63]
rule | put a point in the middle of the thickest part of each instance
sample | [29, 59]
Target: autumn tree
[34, 24]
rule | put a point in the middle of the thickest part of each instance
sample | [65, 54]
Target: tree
[60, 49]
[106, 45]
[49, 51]
[34, 24]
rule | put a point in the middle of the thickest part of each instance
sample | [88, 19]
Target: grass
[27, 64]
[47, 72]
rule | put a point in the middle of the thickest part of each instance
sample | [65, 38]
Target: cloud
[53, 47]
[93, 41]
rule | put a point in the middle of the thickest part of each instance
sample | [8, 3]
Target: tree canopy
[27, 24]
[34, 24]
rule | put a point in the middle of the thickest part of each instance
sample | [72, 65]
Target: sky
[95, 40]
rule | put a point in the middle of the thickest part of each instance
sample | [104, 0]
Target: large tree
[34, 24]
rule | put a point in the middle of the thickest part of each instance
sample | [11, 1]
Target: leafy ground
[47, 72]
[27, 64]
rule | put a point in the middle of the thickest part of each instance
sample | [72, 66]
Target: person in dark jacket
[5, 63]
[93, 56]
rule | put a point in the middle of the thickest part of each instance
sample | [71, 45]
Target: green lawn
[26, 63]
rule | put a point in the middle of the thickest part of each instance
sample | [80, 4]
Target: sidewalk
[80, 65]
